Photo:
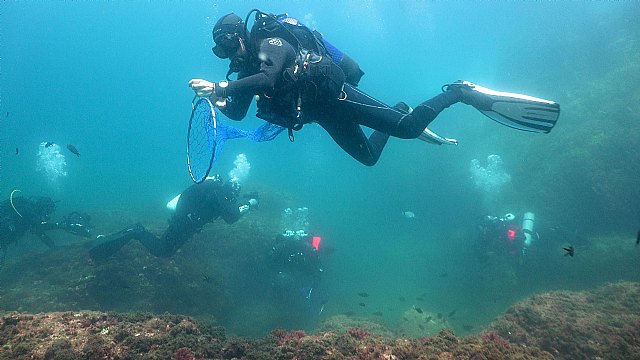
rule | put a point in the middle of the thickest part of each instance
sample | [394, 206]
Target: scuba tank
[350, 67]
[528, 220]
[303, 37]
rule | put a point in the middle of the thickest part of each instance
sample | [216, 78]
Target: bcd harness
[316, 74]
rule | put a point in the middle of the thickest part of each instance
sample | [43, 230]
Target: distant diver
[300, 78]
[19, 214]
[569, 251]
[638, 238]
[198, 205]
[73, 149]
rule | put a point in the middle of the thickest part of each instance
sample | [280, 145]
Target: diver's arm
[40, 229]
[231, 212]
[275, 54]
[237, 106]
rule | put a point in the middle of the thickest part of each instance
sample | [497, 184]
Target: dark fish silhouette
[569, 251]
[362, 304]
[638, 238]
[47, 144]
[418, 310]
[17, 151]
[363, 294]
[451, 314]
[73, 149]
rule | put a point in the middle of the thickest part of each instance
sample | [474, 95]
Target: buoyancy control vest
[301, 36]
[320, 69]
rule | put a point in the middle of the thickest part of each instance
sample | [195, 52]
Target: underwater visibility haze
[94, 111]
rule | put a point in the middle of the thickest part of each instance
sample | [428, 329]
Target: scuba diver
[198, 205]
[298, 77]
[296, 266]
[508, 233]
[19, 214]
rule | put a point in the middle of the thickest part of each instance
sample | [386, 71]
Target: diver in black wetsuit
[301, 78]
[198, 205]
[19, 214]
[295, 263]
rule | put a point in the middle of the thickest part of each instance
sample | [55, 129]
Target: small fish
[638, 238]
[451, 314]
[207, 278]
[48, 144]
[363, 294]
[17, 151]
[73, 149]
[418, 310]
[377, 313]
[362, 304]
[409, 214]
[569, 251]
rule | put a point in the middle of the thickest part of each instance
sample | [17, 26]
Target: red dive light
[511, 234]
[315, 242]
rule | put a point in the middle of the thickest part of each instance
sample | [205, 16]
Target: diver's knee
[413, 125]
[369, 161]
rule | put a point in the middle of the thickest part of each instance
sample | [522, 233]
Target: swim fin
[517, 111]
[433, 138]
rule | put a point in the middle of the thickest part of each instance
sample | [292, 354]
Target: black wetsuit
[33, 214]
[28, 215]
[341, 117]
[198, 205]
[296, 263]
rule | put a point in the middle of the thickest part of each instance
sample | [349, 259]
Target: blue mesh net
[265, 132]
[208, 134]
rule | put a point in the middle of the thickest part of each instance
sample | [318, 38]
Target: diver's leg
[110, 244]
[156, 246]
[370, 112]
[179, 231]
[350, 137]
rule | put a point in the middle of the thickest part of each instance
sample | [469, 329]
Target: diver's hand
[203, 88]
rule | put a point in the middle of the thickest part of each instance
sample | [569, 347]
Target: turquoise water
[111, 79]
